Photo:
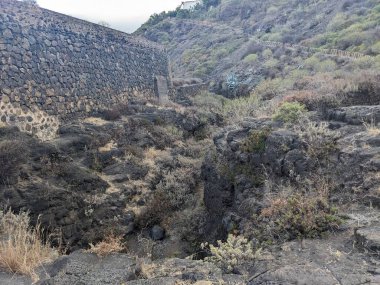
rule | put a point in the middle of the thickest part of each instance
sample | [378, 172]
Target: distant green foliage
[267, 53]
[352, 29]
[250, 58]
[208, 3]
[289, 112]
[271, 63]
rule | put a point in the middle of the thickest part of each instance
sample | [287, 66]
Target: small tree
[104, 24]
[209, 3]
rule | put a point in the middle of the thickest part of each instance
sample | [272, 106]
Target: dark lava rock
[369, 238]
[157, 233]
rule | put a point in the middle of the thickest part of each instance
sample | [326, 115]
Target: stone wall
[61, 65]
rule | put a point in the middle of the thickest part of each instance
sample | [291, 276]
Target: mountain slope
[213, 42]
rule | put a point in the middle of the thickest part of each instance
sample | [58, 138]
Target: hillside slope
[231, 38]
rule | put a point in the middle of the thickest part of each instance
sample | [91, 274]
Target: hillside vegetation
[263, 168]
[226, 37]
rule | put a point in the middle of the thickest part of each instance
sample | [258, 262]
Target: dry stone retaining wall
[61, 65]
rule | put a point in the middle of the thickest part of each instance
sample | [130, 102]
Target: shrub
[107, 246]
[12, 155]
[289, 112]
[175, 191]
[271, 63]
[22, 248]
[209, 102]
[238, 109]
[270, 88]
[250, 58]
[267, 53]
[112, 114]
[296, 217]
[230, 254]
[255, 142]
[320, 140]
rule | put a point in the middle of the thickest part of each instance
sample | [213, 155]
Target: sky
[124, 15]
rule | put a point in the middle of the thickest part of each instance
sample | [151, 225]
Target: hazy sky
[124, 15]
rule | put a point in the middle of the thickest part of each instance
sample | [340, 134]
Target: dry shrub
[313, 100]
[296, 211]
[174, 192]
[298, 216]
[112, 114]
[320, 140]
[328, 90]
[107, 246]
[371, 127]
[22, 249]
[327, 83]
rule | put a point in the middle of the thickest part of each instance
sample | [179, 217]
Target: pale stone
[5, 99]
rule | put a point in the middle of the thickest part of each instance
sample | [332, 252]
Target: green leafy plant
[289, 112]
[232, 253]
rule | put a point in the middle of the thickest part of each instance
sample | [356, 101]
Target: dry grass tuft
[22, 248]
[107, 246]
[372, 127]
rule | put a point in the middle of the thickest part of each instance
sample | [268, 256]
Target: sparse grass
[22, 249]
[371, 127]
[237, 109]
[175, 191]
[174, 131]
[110, 244]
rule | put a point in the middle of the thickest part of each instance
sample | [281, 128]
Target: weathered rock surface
[51, 185]
[321, 261]
[233, 176]
[84, 268]
[89, 269]
[355, 115]
[369, 239]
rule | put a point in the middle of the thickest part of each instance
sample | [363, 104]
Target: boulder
[157, 233]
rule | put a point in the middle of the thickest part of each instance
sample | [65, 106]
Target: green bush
[250, 58]
[232, 253]
[289, 112]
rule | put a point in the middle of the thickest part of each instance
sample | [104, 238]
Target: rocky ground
[108, 176]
